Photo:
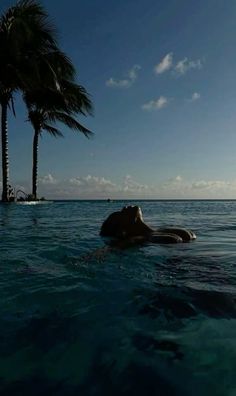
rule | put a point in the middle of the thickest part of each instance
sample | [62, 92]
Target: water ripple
[79, 318]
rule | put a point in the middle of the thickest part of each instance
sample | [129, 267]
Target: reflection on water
[78, 318]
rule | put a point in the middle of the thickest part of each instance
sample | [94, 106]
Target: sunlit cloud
[195, 96]
[174, 180]
[47, 179]
[87, 187]
[127, 82]
[185, 64]
[180, 68]
[165, 64]
[118, 83]
[212, 184]
[99, 187]
[93, 183]
[130, 185]
[157, 104]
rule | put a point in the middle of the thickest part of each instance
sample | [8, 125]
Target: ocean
[79, 319]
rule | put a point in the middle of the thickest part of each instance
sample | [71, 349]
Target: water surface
[150, 320]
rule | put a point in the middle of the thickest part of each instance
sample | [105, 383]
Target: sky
[161, 75]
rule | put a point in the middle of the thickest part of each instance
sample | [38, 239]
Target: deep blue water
[77, 319]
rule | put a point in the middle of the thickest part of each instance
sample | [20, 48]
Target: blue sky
[161, 74]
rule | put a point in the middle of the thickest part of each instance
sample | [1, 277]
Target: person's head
[132, 213]
[126, 223]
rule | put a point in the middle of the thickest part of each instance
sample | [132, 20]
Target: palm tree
[27, 47]
[47, 107]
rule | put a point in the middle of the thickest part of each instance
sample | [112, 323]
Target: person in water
[128, 225]
[126, 229]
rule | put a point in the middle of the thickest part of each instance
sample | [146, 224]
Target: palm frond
[52, 130]
[30, 17]
[61, 63]
[13, 106]
[26, 35]
[70, 122]
[36, 117]
[76, 96]
[45, 99]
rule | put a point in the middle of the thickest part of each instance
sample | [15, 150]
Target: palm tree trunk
[35, 163]
[5, 159]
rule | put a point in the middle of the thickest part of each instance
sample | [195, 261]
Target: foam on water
[76, 318]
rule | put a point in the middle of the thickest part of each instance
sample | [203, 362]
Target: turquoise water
[78, 319]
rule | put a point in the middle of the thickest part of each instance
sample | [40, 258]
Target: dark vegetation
[32, 63]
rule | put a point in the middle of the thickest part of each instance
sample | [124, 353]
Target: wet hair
[118, 223]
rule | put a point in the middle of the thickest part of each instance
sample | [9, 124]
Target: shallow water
[76, 318]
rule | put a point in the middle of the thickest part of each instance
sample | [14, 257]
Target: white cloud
[94, 183]
[118, 83]
[75, 181]
[155, 104]
[195, 96]
[180, 68]
[47, 179]
[165, 64]
[212, 184]
[133, 73]
[87, 187]
[95, 187]
[174, 180]
[178, 178]
[126, 82]
[130, 185]
[186, 64]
